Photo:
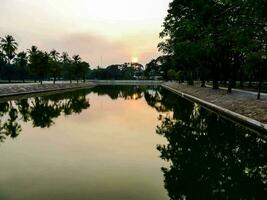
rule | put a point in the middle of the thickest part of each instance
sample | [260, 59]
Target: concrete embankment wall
[228, 114]
[15, 90]
[9, 90]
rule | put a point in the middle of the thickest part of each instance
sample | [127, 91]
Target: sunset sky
[116, 30]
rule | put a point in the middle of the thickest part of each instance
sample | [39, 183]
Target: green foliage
[36, 64]
[9, 47]
[213, 40]
[21, 62]
[124, 71]
[172, 75]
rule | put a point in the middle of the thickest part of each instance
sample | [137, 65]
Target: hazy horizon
[118, 31]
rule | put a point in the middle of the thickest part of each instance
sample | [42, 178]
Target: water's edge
[250, 123]
[34, 90]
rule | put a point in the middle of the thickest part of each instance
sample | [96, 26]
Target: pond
[126, 142]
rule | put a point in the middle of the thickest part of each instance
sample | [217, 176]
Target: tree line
[35, 64]
[216, 40]
[125, 71]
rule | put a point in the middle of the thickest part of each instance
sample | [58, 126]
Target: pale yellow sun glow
[135, 60]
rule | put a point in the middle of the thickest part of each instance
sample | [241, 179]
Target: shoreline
[28, 89]
[224, 111]
[250, 123]
[227, 105]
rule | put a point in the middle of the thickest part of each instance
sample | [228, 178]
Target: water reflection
[40, 111]
[124, 92]
[210, 157]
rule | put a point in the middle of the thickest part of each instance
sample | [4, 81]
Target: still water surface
[126, 142]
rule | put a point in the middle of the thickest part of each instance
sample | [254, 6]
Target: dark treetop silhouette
[38, 65]
[213, 41]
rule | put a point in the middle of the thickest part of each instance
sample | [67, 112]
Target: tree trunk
[241, 83]
[215, 81]
[259, 89]
[203, 83]
[230, 85]
[260, 83]
[250, 83]
[54, 80]
[215, 84]
[241, 79]
[233, 83]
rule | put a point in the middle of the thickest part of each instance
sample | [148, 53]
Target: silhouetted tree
[21, 62]
[55, 67]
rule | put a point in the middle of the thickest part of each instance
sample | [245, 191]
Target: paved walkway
[239, 101]
[242, 91]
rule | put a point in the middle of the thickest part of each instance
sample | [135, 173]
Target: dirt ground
[240, 102]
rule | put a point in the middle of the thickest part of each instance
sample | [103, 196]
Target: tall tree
[67, 66]
[55, 67]
[33, 60]
[21, 62]
[9, 47]
[2, 63]
[76, 64]
[84, 68]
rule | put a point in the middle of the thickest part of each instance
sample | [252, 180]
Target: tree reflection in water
[210, 157]
[41, 111]
[122, 91]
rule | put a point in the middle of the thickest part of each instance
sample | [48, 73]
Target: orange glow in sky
[107, 31]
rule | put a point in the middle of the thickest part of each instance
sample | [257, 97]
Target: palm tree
[76, 62]
[43, 65]
[55, 55]
[76, 59]
[65, 57]
[9, 47]
[33, 51]
[67, 66]
[21, 63]
[2, 62]
[55, 68]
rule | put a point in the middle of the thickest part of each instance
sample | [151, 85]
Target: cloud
[91, 48]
